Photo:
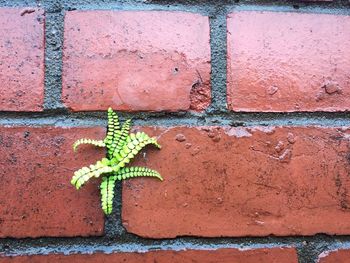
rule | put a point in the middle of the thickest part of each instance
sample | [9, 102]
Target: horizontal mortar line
[303, 7]
[191, 5]
[204, 8]
[177, 119]
[208, 10]
[317, 7]
[89, 245]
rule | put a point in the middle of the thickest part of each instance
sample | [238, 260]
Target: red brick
[136, 61]
[270, 255]
[36, 197]
[337, 256]
[242, 182]
[21, 59]
[288, 62]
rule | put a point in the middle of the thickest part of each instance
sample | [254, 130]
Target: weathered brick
[36, 197]
[336, 256]
[136, 61]
[242, 182]
[21, 59]
[268, 255]
[288, 62]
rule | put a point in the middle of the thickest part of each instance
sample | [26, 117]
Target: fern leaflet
[133, 144]
[122, 136]
[107, 193]
[88, 141]
[113, 131]
[94, 170]
[135, 171]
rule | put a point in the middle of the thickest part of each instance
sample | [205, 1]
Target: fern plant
[122, 146]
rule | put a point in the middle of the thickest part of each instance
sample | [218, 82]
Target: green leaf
[135, 171]
[107, 193]
[120, 138]
[88, 141]
[127, 153]
[112, 131]
[94, 170]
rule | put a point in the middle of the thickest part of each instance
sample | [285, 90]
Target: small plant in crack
[122, 146]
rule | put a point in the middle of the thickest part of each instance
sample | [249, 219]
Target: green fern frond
[82, 175]
[112, 130]
[134, 143]
[141, 137]
[107, 193]
[120, 138]
[135, 171]
[88, 141]
[122, 147]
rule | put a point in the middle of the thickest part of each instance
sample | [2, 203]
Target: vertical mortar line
[53, 59]
[217, 22]
[310, 251]
[113, 223]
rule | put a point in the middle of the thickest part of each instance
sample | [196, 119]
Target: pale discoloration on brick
[335, 256]
[136, 61]
[242, 182]
[285, 62]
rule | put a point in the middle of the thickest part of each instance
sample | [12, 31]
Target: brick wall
[249, 99]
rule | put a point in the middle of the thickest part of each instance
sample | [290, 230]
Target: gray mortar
[53, 59]
[218, 60]
[308, 247]
[70, 119]
[116, 238]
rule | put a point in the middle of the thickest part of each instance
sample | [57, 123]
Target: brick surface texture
[272, 255]
[21, 59]
[36, 197]
[166, 53]
[250, 102]
[242, 182]
[284, 62]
